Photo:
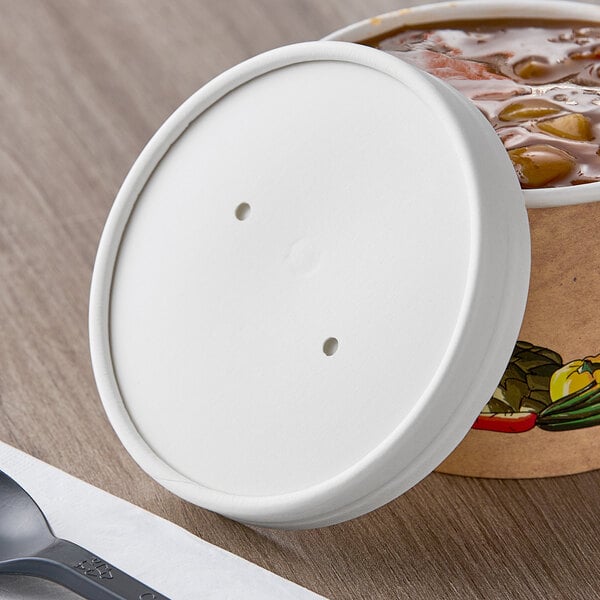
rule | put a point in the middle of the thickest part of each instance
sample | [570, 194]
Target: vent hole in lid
[242, 211]
[330, 346]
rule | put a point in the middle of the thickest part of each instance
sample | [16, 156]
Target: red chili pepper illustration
[507, 422]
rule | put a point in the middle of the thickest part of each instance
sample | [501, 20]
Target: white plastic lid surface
[309, 285]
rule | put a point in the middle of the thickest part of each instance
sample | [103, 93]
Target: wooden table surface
[83, 85]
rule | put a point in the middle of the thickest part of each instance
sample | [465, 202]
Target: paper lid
[309, 285]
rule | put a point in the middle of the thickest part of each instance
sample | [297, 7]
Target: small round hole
[330, 346]
[242, 212]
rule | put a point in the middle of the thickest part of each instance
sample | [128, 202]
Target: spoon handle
[86, 574]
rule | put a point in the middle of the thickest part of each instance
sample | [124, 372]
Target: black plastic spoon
[28, 547]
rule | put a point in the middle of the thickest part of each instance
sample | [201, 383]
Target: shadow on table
[454, 537]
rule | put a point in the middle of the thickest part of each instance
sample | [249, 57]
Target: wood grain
[83, 85]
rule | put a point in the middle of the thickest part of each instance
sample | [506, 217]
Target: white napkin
[157, 552]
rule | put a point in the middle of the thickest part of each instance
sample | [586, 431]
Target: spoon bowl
[24, 530]
[28, 547]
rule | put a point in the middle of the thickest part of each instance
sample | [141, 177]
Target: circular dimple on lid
[371, 218]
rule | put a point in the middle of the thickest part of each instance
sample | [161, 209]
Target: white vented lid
[309, 285]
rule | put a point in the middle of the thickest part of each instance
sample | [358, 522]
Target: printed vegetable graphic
[575, 377]
[516, 422]
[538, 390]
[575, 391]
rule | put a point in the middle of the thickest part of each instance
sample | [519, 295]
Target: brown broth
[537, 82]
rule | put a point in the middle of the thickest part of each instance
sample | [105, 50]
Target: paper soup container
[562, 319]
[291, 327]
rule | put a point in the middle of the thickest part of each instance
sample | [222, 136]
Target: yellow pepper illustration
[574, 377]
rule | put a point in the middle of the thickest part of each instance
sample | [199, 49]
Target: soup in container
[543, 419]
[314, 276]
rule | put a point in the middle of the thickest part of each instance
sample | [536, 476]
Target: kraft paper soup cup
[558, 354]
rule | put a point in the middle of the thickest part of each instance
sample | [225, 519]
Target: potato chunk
[532, 68]
[541, 164]
[528, 109]
[572, 127]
